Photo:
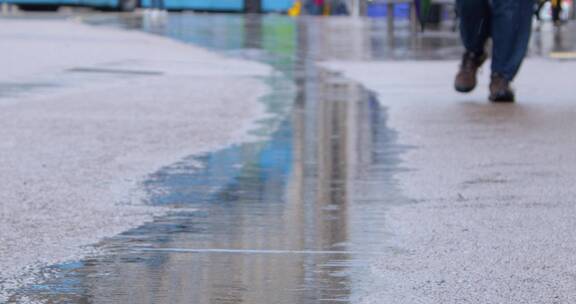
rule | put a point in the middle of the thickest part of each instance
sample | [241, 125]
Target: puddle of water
[114, 71]
[70, 78]
[290, 220]
[13, 89]
[293, 218]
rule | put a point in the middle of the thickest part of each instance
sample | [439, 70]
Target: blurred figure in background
[508, 23]
[315, 7]
[296, 9]
[339, 7]
[326, 7]
[556, 10]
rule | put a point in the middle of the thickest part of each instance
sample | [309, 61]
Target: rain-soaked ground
[288, 218]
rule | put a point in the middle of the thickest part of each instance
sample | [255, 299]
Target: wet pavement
[287, 219]
[290, 218]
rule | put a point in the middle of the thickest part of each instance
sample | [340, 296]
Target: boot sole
[464, 89]
[502, 98]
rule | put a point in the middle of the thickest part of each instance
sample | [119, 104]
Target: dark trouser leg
[556, 10]
[474, 23]
[511, 27]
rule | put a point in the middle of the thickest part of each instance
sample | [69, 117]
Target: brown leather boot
[466, 77]
[500, 90]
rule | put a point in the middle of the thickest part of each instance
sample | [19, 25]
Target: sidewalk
[85, 114]
[415, 194]
[493, 217]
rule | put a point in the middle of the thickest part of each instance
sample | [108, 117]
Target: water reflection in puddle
[293, 218]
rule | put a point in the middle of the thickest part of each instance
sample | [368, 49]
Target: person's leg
[475, 24]
[474, 31]
[511, 27]
[556, 11]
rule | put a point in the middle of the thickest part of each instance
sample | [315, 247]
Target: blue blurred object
[203, 5]
[379, 10]
[276, 5]
[121, 5]
[223, 5]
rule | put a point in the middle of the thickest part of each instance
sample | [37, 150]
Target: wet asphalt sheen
[288, 218]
